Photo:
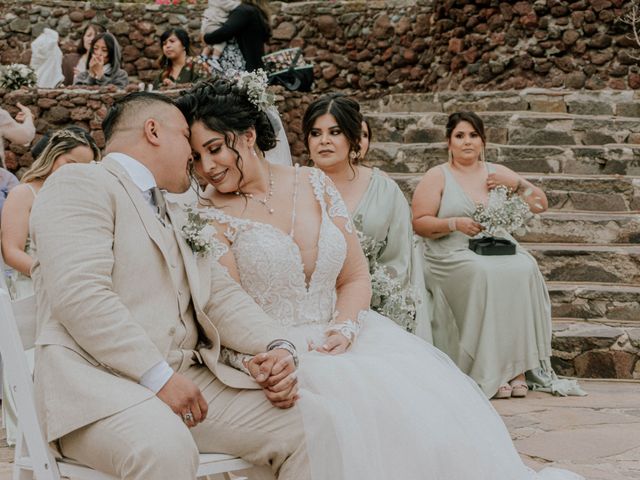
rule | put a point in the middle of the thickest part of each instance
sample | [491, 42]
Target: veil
[281, 154]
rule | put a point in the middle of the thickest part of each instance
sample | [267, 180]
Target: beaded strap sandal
[505, 391]
[519, 388]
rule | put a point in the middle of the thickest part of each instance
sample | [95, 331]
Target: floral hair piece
[255, 84]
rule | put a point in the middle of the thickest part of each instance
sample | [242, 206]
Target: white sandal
[519, 388]
[505, 391]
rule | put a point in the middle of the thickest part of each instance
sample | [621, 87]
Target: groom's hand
[274, 371]
[274, 362]
[184, 397]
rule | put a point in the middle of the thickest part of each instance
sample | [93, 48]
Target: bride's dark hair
[224, 107]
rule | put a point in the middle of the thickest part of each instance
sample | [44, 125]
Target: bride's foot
[519, 387]
[505, 391]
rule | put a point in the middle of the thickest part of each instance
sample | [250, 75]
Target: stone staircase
[583, 149]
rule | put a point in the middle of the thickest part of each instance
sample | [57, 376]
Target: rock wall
[379, 46]
[57, 108]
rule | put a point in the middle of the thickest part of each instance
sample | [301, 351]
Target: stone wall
[378, 46]
[56, 108]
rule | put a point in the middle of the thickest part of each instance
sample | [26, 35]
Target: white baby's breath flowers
[198, 233]
[505, 213]
[255, 84]
[388, 296]
[17, 75]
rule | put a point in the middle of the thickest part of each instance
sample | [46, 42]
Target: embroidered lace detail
[337, 208]
[348, 328]
[270, 265]
[235, 359]
[218, 248]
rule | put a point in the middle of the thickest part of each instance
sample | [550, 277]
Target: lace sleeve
[235, 359]
[224, 230]
[218, 249]
[353, 285]
[349, 328]
[336, 205]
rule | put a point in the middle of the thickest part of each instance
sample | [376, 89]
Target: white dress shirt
[156, 377]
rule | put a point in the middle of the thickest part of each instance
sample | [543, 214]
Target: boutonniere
[198, 233]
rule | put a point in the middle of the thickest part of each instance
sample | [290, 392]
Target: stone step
[583, 227]
[569, 159]
[595, 301]
[511, 128]
[587, 263]
[596, 349]
[606, 193]
[624, 103]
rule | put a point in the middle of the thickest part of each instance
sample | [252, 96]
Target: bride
[398, 406]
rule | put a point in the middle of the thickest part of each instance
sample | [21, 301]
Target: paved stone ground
[597, 436]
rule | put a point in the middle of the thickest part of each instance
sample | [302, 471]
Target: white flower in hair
[255, 84]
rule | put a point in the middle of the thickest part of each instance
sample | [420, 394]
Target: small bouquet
[198, 233]
[505, 213]
[389, 297]
[17, 75]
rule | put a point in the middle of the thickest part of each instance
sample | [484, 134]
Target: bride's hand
[264, 366]
[274, 371]
[335, 344]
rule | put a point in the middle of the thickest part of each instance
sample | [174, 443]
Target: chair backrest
[18, 327]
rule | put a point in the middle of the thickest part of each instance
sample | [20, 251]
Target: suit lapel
[151, 224]
[195, 265]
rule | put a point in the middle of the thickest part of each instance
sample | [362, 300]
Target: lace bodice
[270, 264]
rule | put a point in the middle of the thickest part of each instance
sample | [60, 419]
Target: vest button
[172, 331]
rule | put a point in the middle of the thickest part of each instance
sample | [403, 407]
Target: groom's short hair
[128, 106]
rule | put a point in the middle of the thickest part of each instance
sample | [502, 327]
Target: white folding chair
[33, 458]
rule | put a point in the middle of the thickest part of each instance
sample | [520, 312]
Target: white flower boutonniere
[198, 233]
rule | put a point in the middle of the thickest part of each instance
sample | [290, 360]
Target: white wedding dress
[393, 406]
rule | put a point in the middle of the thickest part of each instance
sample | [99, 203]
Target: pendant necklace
[267, 198]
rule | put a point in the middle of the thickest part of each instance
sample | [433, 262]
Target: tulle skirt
[394, 406]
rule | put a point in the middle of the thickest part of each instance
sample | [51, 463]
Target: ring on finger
[187, 417]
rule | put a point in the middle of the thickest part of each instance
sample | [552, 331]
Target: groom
[127, 375]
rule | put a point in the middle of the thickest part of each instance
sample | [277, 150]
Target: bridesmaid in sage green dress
[376, 204]
[492, 314]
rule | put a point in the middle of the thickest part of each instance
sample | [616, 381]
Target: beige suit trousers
[149, 442]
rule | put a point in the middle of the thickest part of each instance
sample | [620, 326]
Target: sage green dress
[492, 314]
[383, 216]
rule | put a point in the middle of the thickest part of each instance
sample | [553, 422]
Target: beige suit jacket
[107, 307]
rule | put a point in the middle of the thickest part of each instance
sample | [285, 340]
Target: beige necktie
[159, 201]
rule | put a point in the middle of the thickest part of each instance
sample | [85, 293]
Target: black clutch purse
[492, 246]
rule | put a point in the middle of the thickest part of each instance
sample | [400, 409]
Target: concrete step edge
[439, 145]
[556, 286]
[537, 175]
[622, 248]
[595, 322]
[512, 113]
